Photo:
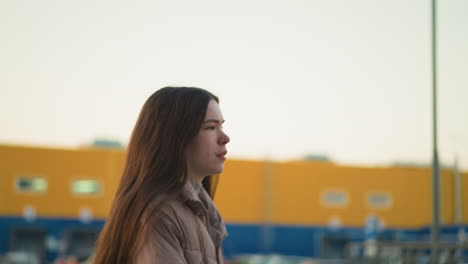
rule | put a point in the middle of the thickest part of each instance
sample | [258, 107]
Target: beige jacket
[189, 233]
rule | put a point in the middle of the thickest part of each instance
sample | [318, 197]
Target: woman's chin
[218, 170]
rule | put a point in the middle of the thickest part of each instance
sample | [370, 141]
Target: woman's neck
[197, 184]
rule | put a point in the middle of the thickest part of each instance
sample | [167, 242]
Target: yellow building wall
[59, 167]
[447, 197]
[248, 191]
[464, 181]
[299, 185]
[240, 191]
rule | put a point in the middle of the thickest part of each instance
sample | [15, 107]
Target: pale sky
[350, 79]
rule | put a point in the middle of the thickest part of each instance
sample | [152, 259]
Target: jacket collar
[193, 201]
[201, 205]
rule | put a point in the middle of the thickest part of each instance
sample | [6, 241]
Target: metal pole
[268, 233]
[435, 232]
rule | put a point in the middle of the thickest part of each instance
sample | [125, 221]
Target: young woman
[163, 211]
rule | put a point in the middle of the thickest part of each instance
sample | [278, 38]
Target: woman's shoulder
[169, 211]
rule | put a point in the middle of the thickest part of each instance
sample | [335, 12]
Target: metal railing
[406, 252]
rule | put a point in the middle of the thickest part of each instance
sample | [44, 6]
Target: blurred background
[327, 103]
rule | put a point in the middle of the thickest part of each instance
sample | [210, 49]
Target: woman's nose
[224, 139]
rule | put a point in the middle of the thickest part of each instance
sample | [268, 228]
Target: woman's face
[206, 153]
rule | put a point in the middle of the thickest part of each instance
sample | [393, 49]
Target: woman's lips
[222, 155]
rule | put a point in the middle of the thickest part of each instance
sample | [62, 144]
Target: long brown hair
[155, 168]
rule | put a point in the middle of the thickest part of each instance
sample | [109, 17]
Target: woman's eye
[211, 128]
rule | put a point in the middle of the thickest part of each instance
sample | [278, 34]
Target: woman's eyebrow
[214, 121]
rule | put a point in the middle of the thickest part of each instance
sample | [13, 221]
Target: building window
[31, 184]
[379, 200]
[335, 198]
[86, 187]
